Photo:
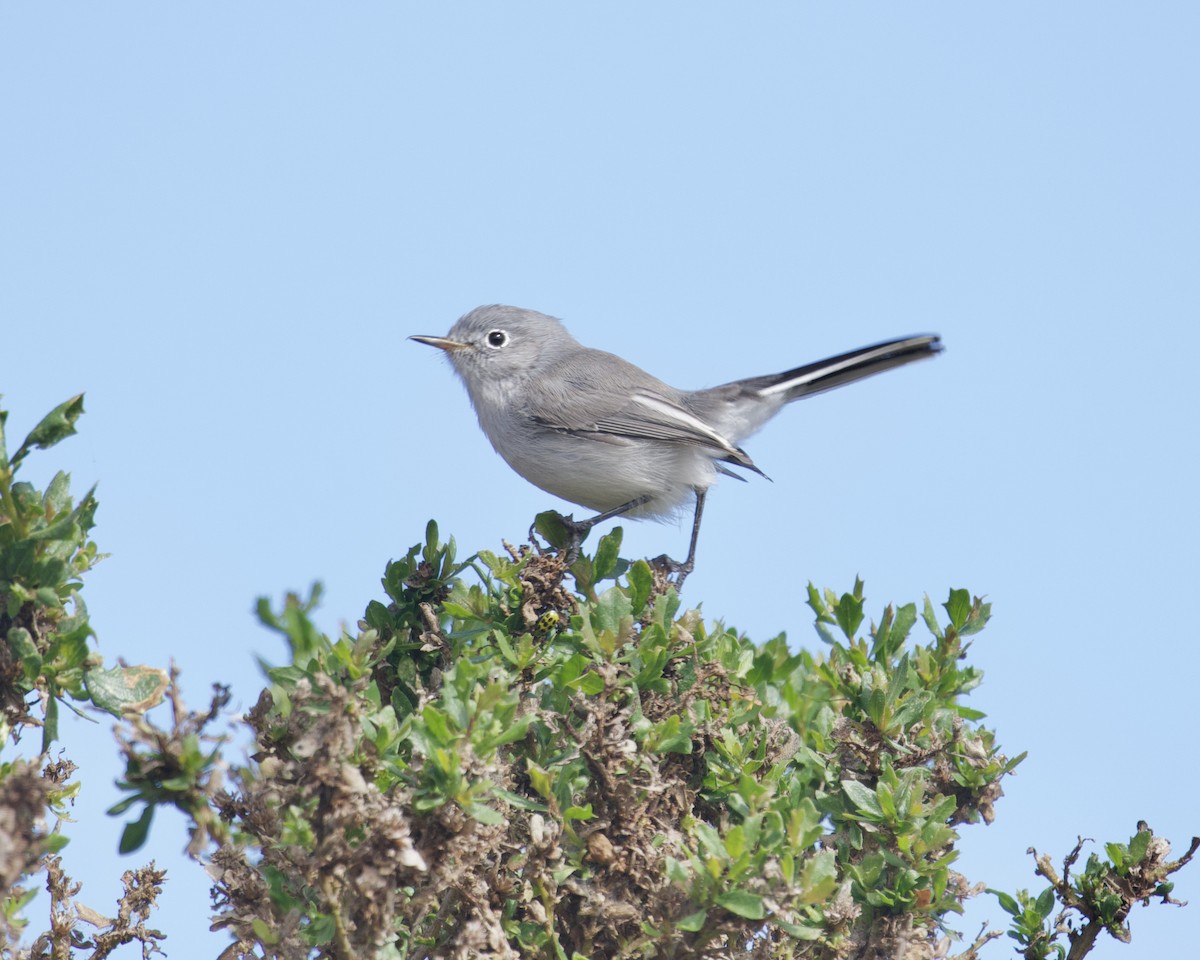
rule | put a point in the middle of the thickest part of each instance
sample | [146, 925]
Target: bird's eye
[497, 339]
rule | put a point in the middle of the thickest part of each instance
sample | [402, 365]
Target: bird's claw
[668, 567]
[576, 533]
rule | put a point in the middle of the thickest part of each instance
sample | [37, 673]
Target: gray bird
[596, 430]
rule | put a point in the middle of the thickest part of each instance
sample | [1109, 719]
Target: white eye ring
[496, 339]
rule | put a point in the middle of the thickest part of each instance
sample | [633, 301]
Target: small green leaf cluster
[912, 761]
[1031, 925]
[1097, 900]
[45, 549]
[181, 768]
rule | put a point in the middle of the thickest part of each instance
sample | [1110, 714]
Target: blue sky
[222, 221]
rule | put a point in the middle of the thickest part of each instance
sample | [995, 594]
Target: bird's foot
[665, 567]
[567, 533]
[576, 534]
[564, 534]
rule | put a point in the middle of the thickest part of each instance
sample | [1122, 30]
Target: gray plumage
[594, 429]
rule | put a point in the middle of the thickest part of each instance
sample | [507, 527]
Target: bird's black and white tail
[845, 368]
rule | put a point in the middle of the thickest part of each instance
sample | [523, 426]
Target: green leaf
[887, 802]
[437, 722]
[819, 877]
[1007, 903]
[799, 931]
[57, 425]
[520, 802]
[693, 922]
[539, 779]
[320, 930]
[743, 903]
[1045, 903]
[672, 735]
[506, 649]
[906, 616]
[63, 529]
[590, 683]
[57, 498]
[514, 731]
[641, 583]
[489, 816]
[121, 806]
[55, 843]
[263, 931]
[817, 602]
[134, 834]
[980, 614]
[549, 523]
[607, 553]
[849, 613]
[930, 618]
[958, 607]
[122, 691]
[735, 842]
[1138, 845]
[404, 699]
[431, 541]
[881, 645]
[50, 724]
[677, 872]
[612, 607]
[863, 798]
[804, 824]
[20, 641]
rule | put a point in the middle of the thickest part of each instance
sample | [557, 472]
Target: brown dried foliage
[24, 797]
[363, 852]
[66, 936]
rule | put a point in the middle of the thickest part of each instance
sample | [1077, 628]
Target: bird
[594, 429]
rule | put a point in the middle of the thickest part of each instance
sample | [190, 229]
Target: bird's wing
[611, 398]
[652, 416]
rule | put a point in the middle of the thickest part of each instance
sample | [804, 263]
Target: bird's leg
[577, 530]
[681, 570]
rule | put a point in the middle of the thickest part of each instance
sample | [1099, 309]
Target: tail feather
[845, 368]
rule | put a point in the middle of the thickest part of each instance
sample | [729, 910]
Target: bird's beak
[442, 343]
